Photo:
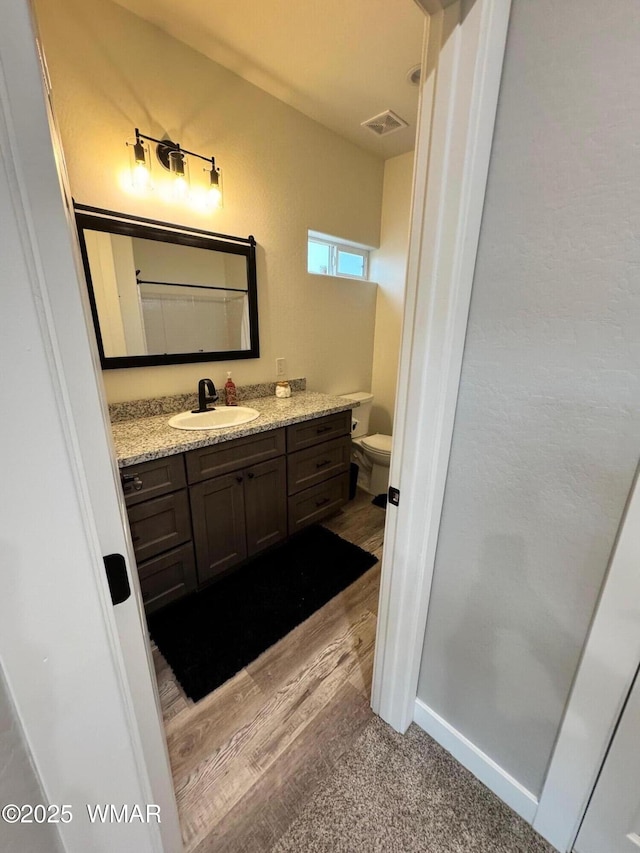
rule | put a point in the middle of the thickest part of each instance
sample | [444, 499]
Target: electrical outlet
[281, 369]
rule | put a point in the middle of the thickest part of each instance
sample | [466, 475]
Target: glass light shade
[179, 168]
[215, 189]
[140, 164]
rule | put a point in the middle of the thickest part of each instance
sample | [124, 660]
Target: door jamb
[463, 60]
[453, 146]
[35, 170]
[605, 676]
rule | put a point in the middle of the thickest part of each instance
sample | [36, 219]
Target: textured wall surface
[283, 173]
[388, 269]
[546, 435]
[20, 785]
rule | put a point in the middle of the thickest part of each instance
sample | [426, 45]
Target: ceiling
[339, 62]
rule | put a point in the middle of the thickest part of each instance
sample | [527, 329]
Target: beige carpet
[405, 794]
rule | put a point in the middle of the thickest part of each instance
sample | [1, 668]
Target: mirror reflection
[168, 296]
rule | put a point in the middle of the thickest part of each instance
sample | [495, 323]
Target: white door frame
[463, 63]
[603, 681]
[463, 59]
[38, 202]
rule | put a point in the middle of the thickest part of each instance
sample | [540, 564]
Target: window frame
[336, 246]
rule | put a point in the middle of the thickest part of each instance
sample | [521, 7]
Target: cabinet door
[265, 504]
[217, 510]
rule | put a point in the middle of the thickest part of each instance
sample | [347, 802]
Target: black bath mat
[210, 635]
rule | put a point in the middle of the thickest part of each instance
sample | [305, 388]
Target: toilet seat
[378, 443]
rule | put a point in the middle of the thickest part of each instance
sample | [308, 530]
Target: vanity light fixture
[172, 157]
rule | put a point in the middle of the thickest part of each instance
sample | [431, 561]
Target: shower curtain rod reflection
[197, 286]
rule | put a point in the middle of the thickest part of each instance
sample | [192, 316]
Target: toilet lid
[378, 442]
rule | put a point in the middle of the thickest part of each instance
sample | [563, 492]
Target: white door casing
[442, 252]
[604, 678]
[463, 59]
[72, 396]
[612, 821]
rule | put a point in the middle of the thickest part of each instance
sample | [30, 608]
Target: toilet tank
[360, 415]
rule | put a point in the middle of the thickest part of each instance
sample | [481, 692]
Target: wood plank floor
[246, 758]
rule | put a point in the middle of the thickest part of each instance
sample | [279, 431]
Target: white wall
[19, 784]
[283, 174]
[545, 442]
[388, 269]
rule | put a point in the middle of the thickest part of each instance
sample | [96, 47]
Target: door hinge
[117, 577]
[394, 496]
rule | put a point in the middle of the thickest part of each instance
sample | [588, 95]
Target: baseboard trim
[483, 768]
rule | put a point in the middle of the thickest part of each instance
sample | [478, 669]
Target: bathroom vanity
[201, 505]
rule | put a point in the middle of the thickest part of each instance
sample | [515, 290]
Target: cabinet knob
[131, 481]
[239, 478]
[251, 475]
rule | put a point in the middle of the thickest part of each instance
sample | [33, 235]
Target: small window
[331, 256]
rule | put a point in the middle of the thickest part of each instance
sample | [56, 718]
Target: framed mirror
[164, 294]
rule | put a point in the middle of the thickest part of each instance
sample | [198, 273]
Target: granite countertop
[141, 439]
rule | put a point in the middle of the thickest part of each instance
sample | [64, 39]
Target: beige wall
[388, 269]
[283, 173]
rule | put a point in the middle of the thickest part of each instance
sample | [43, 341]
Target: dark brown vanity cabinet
[227, 502]
[238, 515]
[237, 508]
[160, 521]
[319, 453]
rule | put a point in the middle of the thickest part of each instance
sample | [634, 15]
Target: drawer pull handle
[239, 479]
[131, 481]
[323, 501]
[320, 430]
[251, 475]
[323, 464]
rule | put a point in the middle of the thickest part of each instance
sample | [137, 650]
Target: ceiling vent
[386, 122]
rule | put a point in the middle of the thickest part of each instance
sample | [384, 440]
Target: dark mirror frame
[97, 219]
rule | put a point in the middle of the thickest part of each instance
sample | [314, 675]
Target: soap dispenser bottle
[230, 393]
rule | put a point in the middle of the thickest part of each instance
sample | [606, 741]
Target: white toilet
[372, 453]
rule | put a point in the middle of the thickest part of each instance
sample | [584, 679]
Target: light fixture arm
[173, 146]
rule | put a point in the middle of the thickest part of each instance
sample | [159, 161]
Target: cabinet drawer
[310, 467]
[308, 433]
[218, 459]
[152, 479]
[159, 524]
[167, 577]
[317, 502]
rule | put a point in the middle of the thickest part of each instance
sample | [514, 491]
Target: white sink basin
[225, 416]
